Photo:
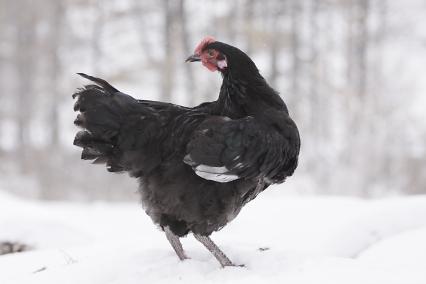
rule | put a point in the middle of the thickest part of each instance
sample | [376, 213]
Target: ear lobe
[222, 64]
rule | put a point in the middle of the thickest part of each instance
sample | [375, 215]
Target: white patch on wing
[218, 174]
[213, 170]
[217, 177]
[239, 165]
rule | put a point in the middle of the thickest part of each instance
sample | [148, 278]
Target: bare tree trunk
[47, 172]
[231, 21]
[98, 27]
[167, 70]
[55, 70]
[379, 44]
[382, 145]
[186, 44]
[349, 42]
[248, 25]
[2, 63]
[317, 117]
[294, 99]
[278, 8]
[362, 47]
[274, 60]
[295, 46]
[2, 69]
[140, 12]
[24, 61]
[314, 52]
[358, 126]
[358, 39]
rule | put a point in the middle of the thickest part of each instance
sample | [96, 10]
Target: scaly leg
[214, 249]
[176, 244]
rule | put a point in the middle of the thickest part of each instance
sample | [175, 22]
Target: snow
[279, 239]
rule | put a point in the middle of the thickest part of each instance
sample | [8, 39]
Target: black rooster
[197, 167]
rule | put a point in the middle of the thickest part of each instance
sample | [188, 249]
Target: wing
[224, 150]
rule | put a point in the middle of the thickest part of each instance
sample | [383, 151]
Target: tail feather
[117, 130]
[104, 84]
[93, 148]
[101, 114]
[89, 153]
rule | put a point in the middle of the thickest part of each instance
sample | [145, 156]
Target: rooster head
[209, 56]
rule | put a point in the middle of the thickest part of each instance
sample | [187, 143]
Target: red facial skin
[208, 56]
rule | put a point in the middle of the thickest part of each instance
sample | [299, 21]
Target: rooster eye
[210, 52]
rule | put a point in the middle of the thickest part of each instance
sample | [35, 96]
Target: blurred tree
[141, 9]
[168, 65]
[331, 60]
[231, 21]
[358, 46]
[190, 87]
[97, 32]
[56, 26]
[25, 65]
[316, 122]
[313, 68]
[275, 38]
[296, 62]
[249, 27]
[2, 68]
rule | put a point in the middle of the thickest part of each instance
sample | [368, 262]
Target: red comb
[207, 40]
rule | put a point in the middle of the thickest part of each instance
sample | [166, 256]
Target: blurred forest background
[353, 73]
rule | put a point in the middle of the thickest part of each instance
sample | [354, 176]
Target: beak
[193, 58]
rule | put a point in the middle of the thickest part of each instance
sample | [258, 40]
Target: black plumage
[197, 167]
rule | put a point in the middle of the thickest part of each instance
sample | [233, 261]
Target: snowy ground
[303, 240]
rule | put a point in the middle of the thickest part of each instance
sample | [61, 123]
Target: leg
[176, 244]
[214, 249]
